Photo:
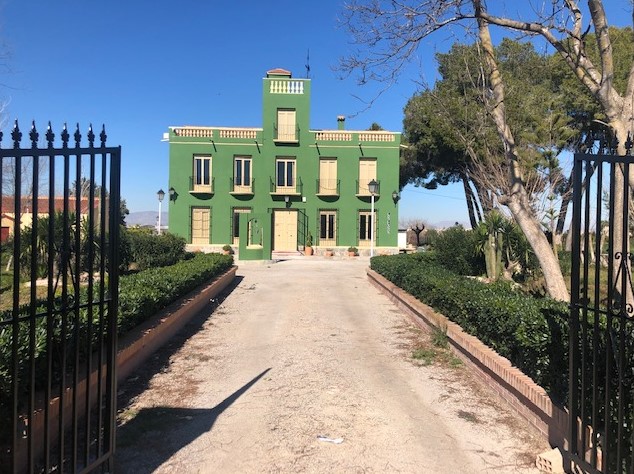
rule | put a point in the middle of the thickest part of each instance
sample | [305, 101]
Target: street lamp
[160, 194]
[373, 187]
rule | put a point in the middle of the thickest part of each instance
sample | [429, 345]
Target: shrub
[141, 295]
[144, 293]
[456, 250]
[125, 248]
[150, 250]
[532, 333]
[565, 262]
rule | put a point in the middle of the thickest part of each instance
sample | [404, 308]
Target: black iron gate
[601, 318]
[60, 214]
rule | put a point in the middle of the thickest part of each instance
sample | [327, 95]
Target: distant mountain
[145, 218]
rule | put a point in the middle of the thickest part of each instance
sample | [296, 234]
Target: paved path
[308, 348]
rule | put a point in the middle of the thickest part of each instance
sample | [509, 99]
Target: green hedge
[457, 250]
[144, 293]
[532, 333]
[149, 250]
[141, 295]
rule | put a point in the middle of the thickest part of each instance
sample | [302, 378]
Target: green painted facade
[264, 189]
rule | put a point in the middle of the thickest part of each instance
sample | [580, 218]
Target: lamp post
[160, 194]
[373, 187]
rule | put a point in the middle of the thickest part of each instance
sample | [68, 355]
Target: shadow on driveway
[157, 433]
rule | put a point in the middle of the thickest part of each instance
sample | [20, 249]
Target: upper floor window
[286, 125]
[202, 181]
[242, 174]
[367, 173]
[285, 174]
[328, 182]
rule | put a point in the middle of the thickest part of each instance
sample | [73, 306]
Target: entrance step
[286, 255]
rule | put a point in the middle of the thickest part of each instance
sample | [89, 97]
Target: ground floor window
[327, 228]
[200, 224]
[367, 228]
[235, 222]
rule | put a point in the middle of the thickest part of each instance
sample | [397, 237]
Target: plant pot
[352, 254]
[329, 253]
[308, 251]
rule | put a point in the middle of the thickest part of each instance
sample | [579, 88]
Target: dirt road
[308, 349]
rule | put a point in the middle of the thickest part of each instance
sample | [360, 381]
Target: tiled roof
[43, 202]
[278, 72]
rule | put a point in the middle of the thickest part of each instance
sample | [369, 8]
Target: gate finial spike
[91, 137]
[65, 136]
[103, 135]
[628, 144]
[77, 136]
[50, 136]
[16, 135]
[33, 135]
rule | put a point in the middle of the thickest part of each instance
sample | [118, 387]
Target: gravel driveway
[305, 367]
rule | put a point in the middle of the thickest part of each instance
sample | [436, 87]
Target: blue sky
[141, 66]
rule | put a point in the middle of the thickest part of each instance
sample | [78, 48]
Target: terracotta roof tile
[278, 72]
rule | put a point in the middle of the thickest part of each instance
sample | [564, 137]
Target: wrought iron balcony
[198, 187]
[285, 189]
[286, 133]
[328, 187]
[242, 187]
[364, 190]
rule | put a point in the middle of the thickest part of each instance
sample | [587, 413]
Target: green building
[264, 190]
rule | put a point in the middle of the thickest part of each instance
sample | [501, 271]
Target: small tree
[416, 226]
[490, 242]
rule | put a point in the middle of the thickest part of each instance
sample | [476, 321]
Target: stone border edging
[523, 395]
[142, 341]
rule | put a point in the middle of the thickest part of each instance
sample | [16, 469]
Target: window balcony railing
[282, 189]
[328, 187]
[242, 188]
[364, 190]
[286, 133]
[196, 187]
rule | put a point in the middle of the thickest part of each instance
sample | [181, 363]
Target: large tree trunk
[517, 199]
[471, 204]
[485, 200]
[555, 283]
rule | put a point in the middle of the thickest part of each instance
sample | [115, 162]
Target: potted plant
[227, 249]
[308, 248]
[353, 251]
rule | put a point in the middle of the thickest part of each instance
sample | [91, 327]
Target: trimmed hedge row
[149, 250]
[532, 333]
[141, 295]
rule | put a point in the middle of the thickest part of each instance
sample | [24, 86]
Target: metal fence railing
[60, 216]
